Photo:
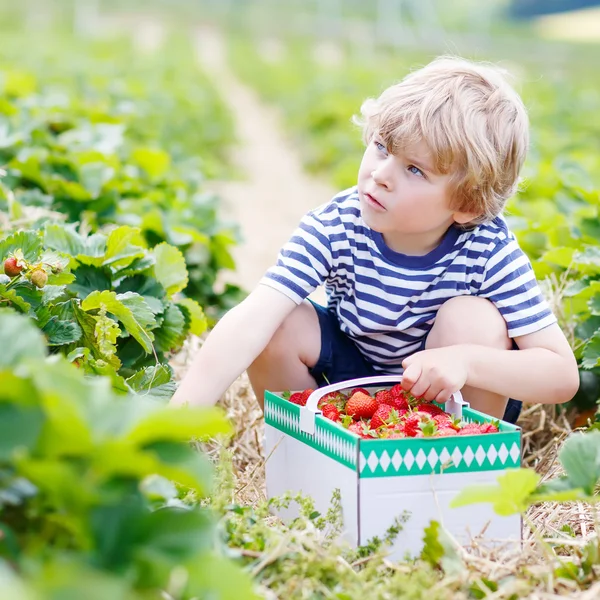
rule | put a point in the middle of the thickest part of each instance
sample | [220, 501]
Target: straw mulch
[544, 430]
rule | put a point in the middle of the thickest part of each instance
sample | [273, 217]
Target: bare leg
[472, 320]
[294, 348]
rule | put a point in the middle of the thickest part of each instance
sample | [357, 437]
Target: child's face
[404, 199]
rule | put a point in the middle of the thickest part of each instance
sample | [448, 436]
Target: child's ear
[465, 217]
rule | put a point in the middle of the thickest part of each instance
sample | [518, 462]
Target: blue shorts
[340, 359]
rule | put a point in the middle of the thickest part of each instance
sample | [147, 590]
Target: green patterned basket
[398, 457]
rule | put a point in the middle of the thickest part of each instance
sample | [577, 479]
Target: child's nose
[381, 177]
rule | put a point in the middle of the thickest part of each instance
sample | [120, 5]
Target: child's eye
[380, 147]
[416, 171]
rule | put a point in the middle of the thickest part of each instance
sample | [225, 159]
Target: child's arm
[543, 370]
[237, 339]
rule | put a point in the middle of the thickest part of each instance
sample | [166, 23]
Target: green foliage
[84, 504]
[130, 145]
[104, 306]
[518, 489]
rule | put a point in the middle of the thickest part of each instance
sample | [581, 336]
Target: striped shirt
[386, 302]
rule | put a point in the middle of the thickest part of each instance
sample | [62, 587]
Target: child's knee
[469, 320]
[298, 334]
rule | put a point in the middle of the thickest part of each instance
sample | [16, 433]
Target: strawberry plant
[117, 148]
[103, 300]
[86, 504]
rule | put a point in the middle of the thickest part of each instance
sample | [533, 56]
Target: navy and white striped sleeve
[304, 262]
[509, 282]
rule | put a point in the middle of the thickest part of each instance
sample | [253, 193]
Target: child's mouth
[374, 202]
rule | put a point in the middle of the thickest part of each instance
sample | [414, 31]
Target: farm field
[144, 189]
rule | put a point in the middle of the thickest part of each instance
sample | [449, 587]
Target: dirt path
[275, 192]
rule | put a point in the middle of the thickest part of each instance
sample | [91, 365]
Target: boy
[422, 275]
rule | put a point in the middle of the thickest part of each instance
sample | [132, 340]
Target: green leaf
[65, 239]
[94, 176]
[129, 308]
[591, 352]
[580, 457]
[179, 425]
[19, 340]
[170, 269]
[149, 378]
[11, 298]
[154, 161]
[563, 257]
[511, 495]
[29, 242]
[171, 334]
[120, 251]
[20, 428]
[60, 333]
[90, 279]
[438, 550]
[194, 315]
[219, 578]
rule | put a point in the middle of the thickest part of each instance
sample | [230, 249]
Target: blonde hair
[473, 122]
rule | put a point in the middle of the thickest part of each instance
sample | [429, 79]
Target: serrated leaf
[29, 242]
[130, 309]
[591, 352]
[89, 279]
[197, 319]
[55, 260]
[19, 340]
[580, 457]
[143, 313]
[149, 378]
[65, 239]
[53, 293]
[120, 251]
[171, 333]
[139, 265]
[511, 496]
[60, 333]
[11, 298]
[153, 381]
[170, 268]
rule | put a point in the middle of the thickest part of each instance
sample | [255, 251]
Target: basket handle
[307, 413]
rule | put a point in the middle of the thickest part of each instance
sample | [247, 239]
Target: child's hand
[436, 374]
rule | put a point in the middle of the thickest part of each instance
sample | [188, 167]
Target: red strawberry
[361, 405]
[336, 398]
[301, 398]
[11, 268]
[446, 432]
[489, 428]
[331, 412]
[470, 429]
[432, 409]
[383, 416]
[397, 391]
[362, 429]
[399, 403]
[384, 397]
[359, 390]
[412, 425]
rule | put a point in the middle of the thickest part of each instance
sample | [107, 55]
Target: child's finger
[411, 375]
